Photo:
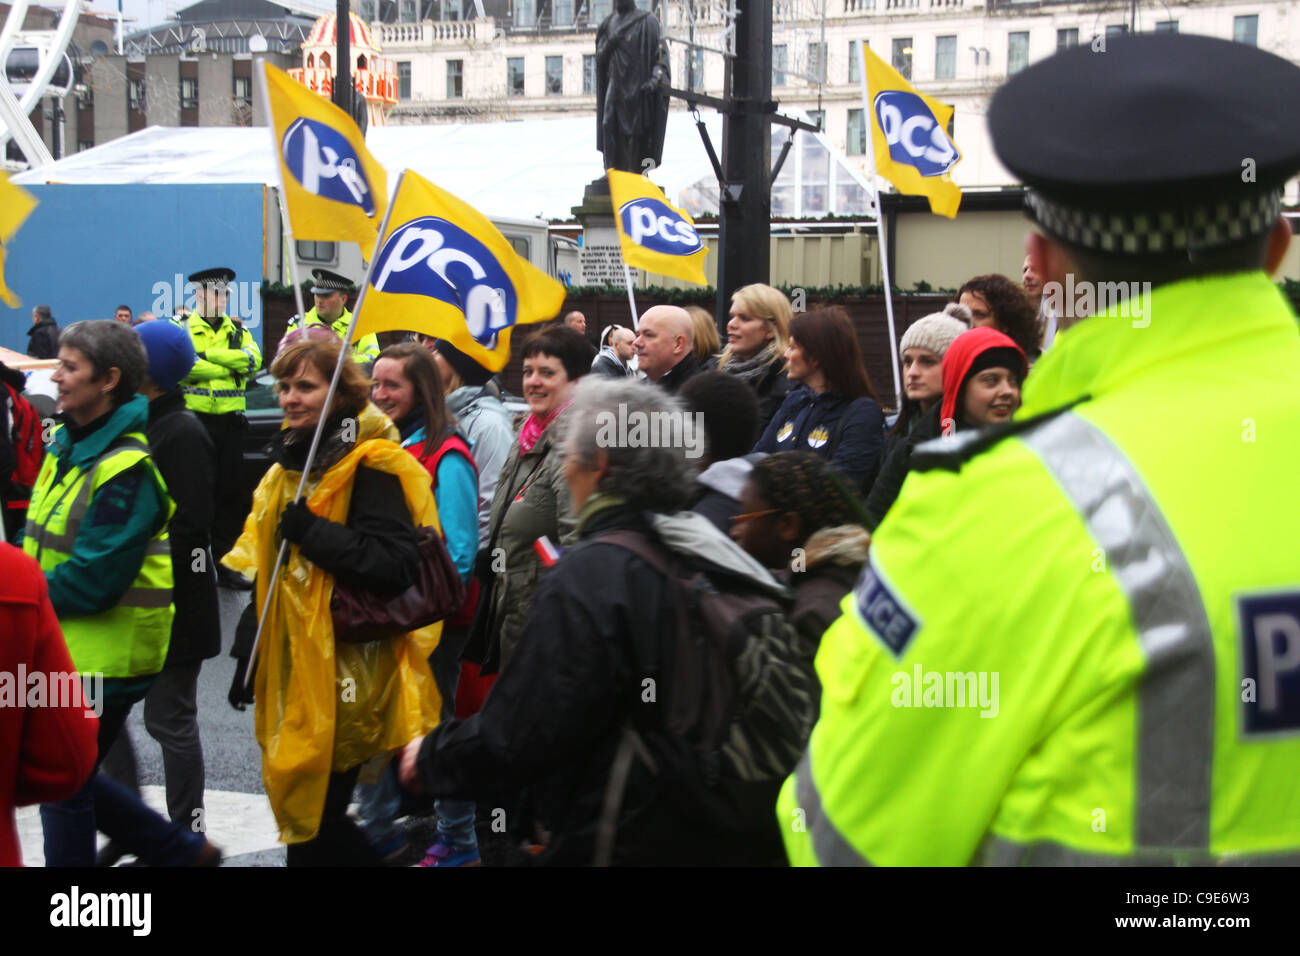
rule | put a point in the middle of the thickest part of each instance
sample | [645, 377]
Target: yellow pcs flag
[909, 135]
[15, 205]
[653, 234]
[443, 269]
[334, 190]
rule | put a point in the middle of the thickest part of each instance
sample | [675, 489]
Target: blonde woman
[757, 336]
[707, 342]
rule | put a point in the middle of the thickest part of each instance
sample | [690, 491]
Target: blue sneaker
[390, 848]
[443, 853]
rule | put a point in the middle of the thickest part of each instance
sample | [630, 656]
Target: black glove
[296, 521]
[239, 695]
[201, 355]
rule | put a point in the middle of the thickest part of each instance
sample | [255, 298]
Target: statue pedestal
[600, 258]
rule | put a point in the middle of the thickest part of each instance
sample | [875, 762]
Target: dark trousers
[171, 717]
[445, 664]
[233, 501]
[339, 842]
[69, 825]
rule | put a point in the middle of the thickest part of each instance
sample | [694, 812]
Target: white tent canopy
[508, 169]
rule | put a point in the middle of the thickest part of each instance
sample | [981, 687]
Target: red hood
[961, 356]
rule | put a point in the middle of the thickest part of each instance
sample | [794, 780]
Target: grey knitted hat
[937, 330]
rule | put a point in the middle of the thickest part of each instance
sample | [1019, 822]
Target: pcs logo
[326, 165]
[656, 226]
[915, 138]
[430, 256]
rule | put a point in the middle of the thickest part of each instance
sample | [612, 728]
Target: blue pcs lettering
[326, 164]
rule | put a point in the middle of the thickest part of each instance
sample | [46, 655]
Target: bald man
[665, 343]
[576, 320]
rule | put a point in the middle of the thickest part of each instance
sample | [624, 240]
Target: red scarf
[534, 427]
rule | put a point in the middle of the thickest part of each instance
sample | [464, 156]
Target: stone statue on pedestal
[632, 77]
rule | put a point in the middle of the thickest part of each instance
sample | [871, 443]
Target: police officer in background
[330, 290]
[1112, 579]
[227, 357]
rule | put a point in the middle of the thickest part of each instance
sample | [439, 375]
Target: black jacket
[44, 339]
[182, 451]
[552, 724]
[847, 432]
[894, 469]
[772, 387]
[676, 377]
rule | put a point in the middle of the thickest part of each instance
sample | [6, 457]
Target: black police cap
[1152, 143]
[218, 276]
[327, 282]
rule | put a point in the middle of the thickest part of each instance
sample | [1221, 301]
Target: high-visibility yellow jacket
[364, 350]
[230, 357]
[1081, 642]
[129, 639]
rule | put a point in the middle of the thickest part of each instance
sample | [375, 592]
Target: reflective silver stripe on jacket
[828, 843]
[998, 851]
[1174, 746]
[146, 597]
[212, 393]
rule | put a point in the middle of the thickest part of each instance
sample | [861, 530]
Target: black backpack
[734, 704]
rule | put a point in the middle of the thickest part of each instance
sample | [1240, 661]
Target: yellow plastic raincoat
[323, 707]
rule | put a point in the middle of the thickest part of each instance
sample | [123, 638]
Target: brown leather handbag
[361, 616]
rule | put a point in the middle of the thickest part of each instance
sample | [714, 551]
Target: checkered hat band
[1151, 232]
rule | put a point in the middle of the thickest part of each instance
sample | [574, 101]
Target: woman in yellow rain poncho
[324, 709]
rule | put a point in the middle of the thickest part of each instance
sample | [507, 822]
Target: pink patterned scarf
[534, 427]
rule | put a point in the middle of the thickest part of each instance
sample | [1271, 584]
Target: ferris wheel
[36, 65]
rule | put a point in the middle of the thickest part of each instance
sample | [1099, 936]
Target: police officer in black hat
[330, 291]
[1127, 545]
[228, 356]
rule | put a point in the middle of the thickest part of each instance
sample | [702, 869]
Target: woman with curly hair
[997, 302]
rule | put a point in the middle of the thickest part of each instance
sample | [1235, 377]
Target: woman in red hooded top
[983, 370]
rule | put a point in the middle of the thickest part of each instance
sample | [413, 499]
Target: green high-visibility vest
[364, 350]
[216, 385]
[1082, 644]
[130, 639]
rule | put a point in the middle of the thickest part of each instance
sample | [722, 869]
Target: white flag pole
[285, 224]
[320, 425]
[868, 125]
[631, 299]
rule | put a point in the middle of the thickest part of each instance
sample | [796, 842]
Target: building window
[525, 13]
[368, 10]
[515, 76]
[945, 57]
[902, 56]
[856, 144]
[817, 62]
[243, 91]
[189, 93]
[455, 79]
[85, 144]
[1117, 29]
[779, 62]
[1246, 29]
[1166, 26]
[310, 251]
[562, 13]
[1067, 38]
[588, 74]
[86, 98]
[855, 60]
[817, 117]
[135, 94]
[407, 12]
[600, 9]
[555, 76]
[1017, 51]
[695, 70]
[404, 80]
